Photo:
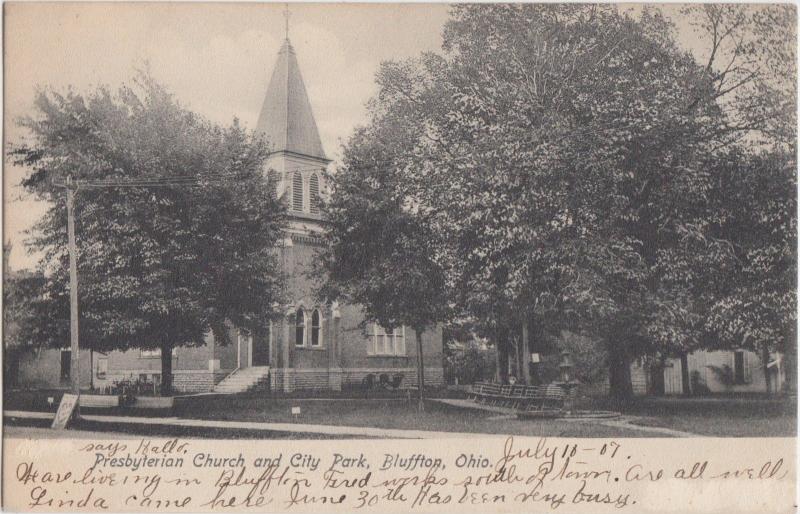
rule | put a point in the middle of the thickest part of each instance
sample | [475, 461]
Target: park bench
[544, 397]
[487, 393]
[502, 399]
[554, 397]
[477, 391]
[517, 396]
[520, 397]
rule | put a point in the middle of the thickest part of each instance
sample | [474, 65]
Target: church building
[313, 346]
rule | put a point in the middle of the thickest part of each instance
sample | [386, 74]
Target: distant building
[721, 371]
[739, 371]
[313, 346]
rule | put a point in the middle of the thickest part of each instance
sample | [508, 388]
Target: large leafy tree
[187, 252]
[536, 149]
[381, 252]
[564, 155]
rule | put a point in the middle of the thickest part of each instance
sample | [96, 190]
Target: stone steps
[244, 380]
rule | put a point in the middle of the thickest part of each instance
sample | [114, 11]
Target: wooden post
[526, 354]
[420, 370]
[73, 294]
[765, 367]
[685, 378]
[289, 320]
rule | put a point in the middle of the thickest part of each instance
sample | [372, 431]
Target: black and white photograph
[334, 222]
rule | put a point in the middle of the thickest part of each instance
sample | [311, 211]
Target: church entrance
[260, 350]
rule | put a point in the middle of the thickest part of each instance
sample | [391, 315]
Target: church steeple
[286, 15]
[286, 117]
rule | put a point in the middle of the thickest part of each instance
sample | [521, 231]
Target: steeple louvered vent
[314, 193]
[297, 192]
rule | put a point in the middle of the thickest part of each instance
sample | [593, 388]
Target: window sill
[311, 348]
[384, 355]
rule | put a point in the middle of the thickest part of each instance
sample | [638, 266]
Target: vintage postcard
[395, 257]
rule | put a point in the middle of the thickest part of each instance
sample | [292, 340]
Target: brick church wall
[41, 369]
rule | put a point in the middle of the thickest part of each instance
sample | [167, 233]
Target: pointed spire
[286, 15]
[286, 117]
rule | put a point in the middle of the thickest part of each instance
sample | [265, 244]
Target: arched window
[300, 328]
[297, 191]
[314, 193]
[316, 329]
[272, 180]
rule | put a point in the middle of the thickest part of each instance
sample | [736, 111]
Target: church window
[297, 191]
[387, 342]
[300, 328]
[316, 327]
[314, 193]
[272, 180]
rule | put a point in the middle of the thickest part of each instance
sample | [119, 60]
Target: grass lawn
[745, 419]
[726, 426]
[722, 417]
[708, 417]
[397, 414]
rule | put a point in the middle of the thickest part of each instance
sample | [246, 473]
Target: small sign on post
[535, 358]
[65, 411]
[295, 412]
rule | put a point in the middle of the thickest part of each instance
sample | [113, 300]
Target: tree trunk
[520, 373]
[789, 365]
[498, 361]
[526, 353]
[420, 371]
[765, 365]
[501, 345]
[619, 369]
[656, 378]
[685, 382]
[166, 369]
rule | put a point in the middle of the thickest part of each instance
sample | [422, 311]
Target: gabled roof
[286, 117]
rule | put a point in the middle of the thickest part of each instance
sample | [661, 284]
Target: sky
[215, 58]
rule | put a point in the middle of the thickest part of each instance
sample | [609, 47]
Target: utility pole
[73, 293]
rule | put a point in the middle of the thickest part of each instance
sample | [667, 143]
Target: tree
[530, 151]
[561, 155]
[380, 251]
[20, 292]
[159, 265]
[748, 53]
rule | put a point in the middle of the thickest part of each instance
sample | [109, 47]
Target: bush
[469, 364]
[724, 374]
[699, 387]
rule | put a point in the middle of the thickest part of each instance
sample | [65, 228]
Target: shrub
[469, 364]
